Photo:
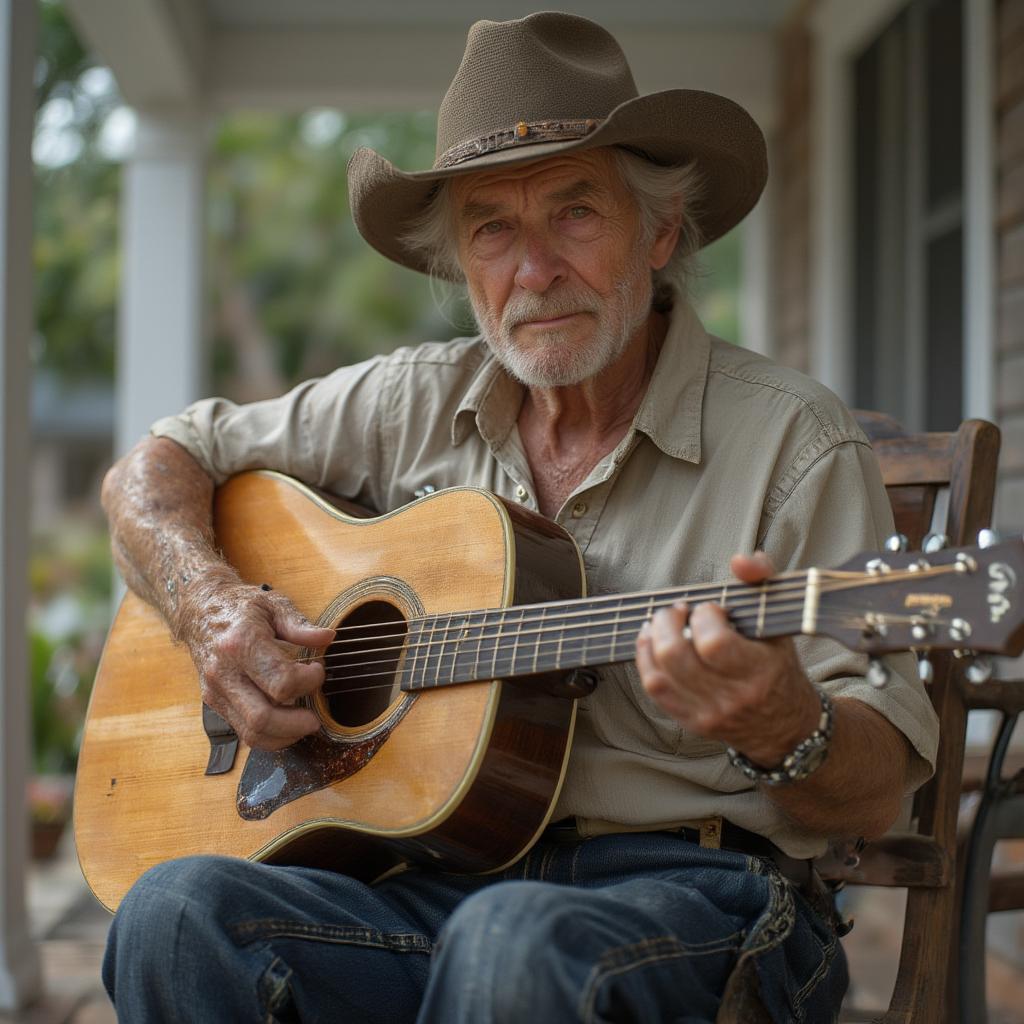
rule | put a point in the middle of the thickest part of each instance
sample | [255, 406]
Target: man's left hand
[749, 694]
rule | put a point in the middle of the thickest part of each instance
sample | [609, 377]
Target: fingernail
[645, 629]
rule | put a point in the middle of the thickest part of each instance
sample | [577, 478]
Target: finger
[724, 651]
[671, 645]
[291, 625]
[752, 568]
[257, 720]
[658, 685]
[280, 676]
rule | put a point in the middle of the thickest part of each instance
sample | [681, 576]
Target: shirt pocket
[625, 718]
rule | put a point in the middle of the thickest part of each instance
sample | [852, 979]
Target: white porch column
[160, 364]
[20, 977]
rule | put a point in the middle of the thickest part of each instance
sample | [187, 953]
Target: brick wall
[790, 156]
[1010, 272]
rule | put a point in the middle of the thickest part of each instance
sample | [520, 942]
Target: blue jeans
[645, 927]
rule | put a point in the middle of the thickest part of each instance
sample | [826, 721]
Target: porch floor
[71, 928]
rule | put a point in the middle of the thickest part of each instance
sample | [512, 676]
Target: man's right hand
[242, 640]
[159, 501]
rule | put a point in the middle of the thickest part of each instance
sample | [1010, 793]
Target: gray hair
[664, 196]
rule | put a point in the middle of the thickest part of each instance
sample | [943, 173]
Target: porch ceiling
[400, 54]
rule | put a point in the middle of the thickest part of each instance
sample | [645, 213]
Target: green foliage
[75, 206]
[292, 289]
[70, 573]
[716, 290]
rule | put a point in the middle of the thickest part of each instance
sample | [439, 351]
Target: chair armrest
[896, 859]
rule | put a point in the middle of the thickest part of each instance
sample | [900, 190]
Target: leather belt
[714, 833]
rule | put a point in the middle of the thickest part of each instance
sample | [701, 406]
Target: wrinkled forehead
[571, 176]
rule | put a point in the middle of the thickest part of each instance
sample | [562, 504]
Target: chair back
[940, 483]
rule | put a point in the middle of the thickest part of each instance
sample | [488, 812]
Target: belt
[715, 833]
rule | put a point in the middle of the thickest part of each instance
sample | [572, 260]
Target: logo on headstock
[1001, 579]
[933, 602]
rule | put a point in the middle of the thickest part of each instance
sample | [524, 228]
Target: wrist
[783, 733]
[196, 597]
[804, 758]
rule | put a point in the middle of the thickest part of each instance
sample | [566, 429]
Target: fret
[479, 644]
[725, 597]
[623, 637]
[515, 644]
[539, 638]
[454, 636]
[558, 648]
[497, 644]
[429, 655]
[761, 608]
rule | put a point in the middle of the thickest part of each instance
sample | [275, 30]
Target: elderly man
[675, 884]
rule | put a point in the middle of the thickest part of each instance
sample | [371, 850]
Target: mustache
[523, 308]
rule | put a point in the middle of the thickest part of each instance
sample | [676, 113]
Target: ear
[663, 246]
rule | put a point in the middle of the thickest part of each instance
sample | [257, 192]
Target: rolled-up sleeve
[324, 432]
[837, 496]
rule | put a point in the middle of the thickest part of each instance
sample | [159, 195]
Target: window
[908, 309]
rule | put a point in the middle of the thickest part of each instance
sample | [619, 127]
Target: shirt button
[521, 492]
[579, 509]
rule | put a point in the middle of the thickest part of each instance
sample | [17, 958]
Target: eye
[579, 212]
[492, 227]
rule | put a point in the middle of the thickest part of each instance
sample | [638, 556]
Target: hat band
[524, 133]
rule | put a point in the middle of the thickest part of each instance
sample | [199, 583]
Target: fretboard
[502, 643]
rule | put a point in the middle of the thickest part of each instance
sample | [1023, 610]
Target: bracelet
[806, 757]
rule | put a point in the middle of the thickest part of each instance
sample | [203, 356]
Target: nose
[540, 266]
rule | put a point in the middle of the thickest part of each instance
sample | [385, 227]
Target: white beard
[556, 363]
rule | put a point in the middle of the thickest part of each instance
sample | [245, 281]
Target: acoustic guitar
[462, 635]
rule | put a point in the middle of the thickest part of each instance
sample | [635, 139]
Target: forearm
[860, 787]
[158, 500]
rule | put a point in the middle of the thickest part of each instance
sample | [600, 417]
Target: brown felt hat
[555, 83]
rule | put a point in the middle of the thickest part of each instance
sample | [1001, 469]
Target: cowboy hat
[556, 83]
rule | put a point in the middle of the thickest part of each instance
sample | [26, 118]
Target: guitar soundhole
[362, 664]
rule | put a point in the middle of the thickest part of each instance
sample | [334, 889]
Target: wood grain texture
[142, 795]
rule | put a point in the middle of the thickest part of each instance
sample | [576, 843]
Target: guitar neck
[464, 647]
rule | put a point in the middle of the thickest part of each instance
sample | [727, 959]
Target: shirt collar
[492, 401]
[670, 413]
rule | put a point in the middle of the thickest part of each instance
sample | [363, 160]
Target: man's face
[557, 275]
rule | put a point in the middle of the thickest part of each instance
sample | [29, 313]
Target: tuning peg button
[878, 673]
[934, 542]
[925, 671]
[988, 538]
[897, 542]
[959, 629]
[980, 670]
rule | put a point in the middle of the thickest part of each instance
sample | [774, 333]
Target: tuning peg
[934, 542]
[925, 670]
[897, 542]
[980, 670]
[878, 673]
[988, 538]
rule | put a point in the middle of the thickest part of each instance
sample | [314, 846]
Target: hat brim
[672, 127]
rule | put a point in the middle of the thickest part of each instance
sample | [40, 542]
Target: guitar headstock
[960, 598]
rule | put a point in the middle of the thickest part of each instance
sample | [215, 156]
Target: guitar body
[465, 776]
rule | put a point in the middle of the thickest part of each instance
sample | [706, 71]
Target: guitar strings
[577, 645]
[514, 635]
[686, 591]
[510, 630]
[610, 643]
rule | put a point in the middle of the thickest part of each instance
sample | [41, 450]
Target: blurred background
[192, 236]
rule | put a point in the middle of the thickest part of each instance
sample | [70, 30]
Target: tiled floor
[71, 928]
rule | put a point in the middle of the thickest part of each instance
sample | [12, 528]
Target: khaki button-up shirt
[727, 453]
